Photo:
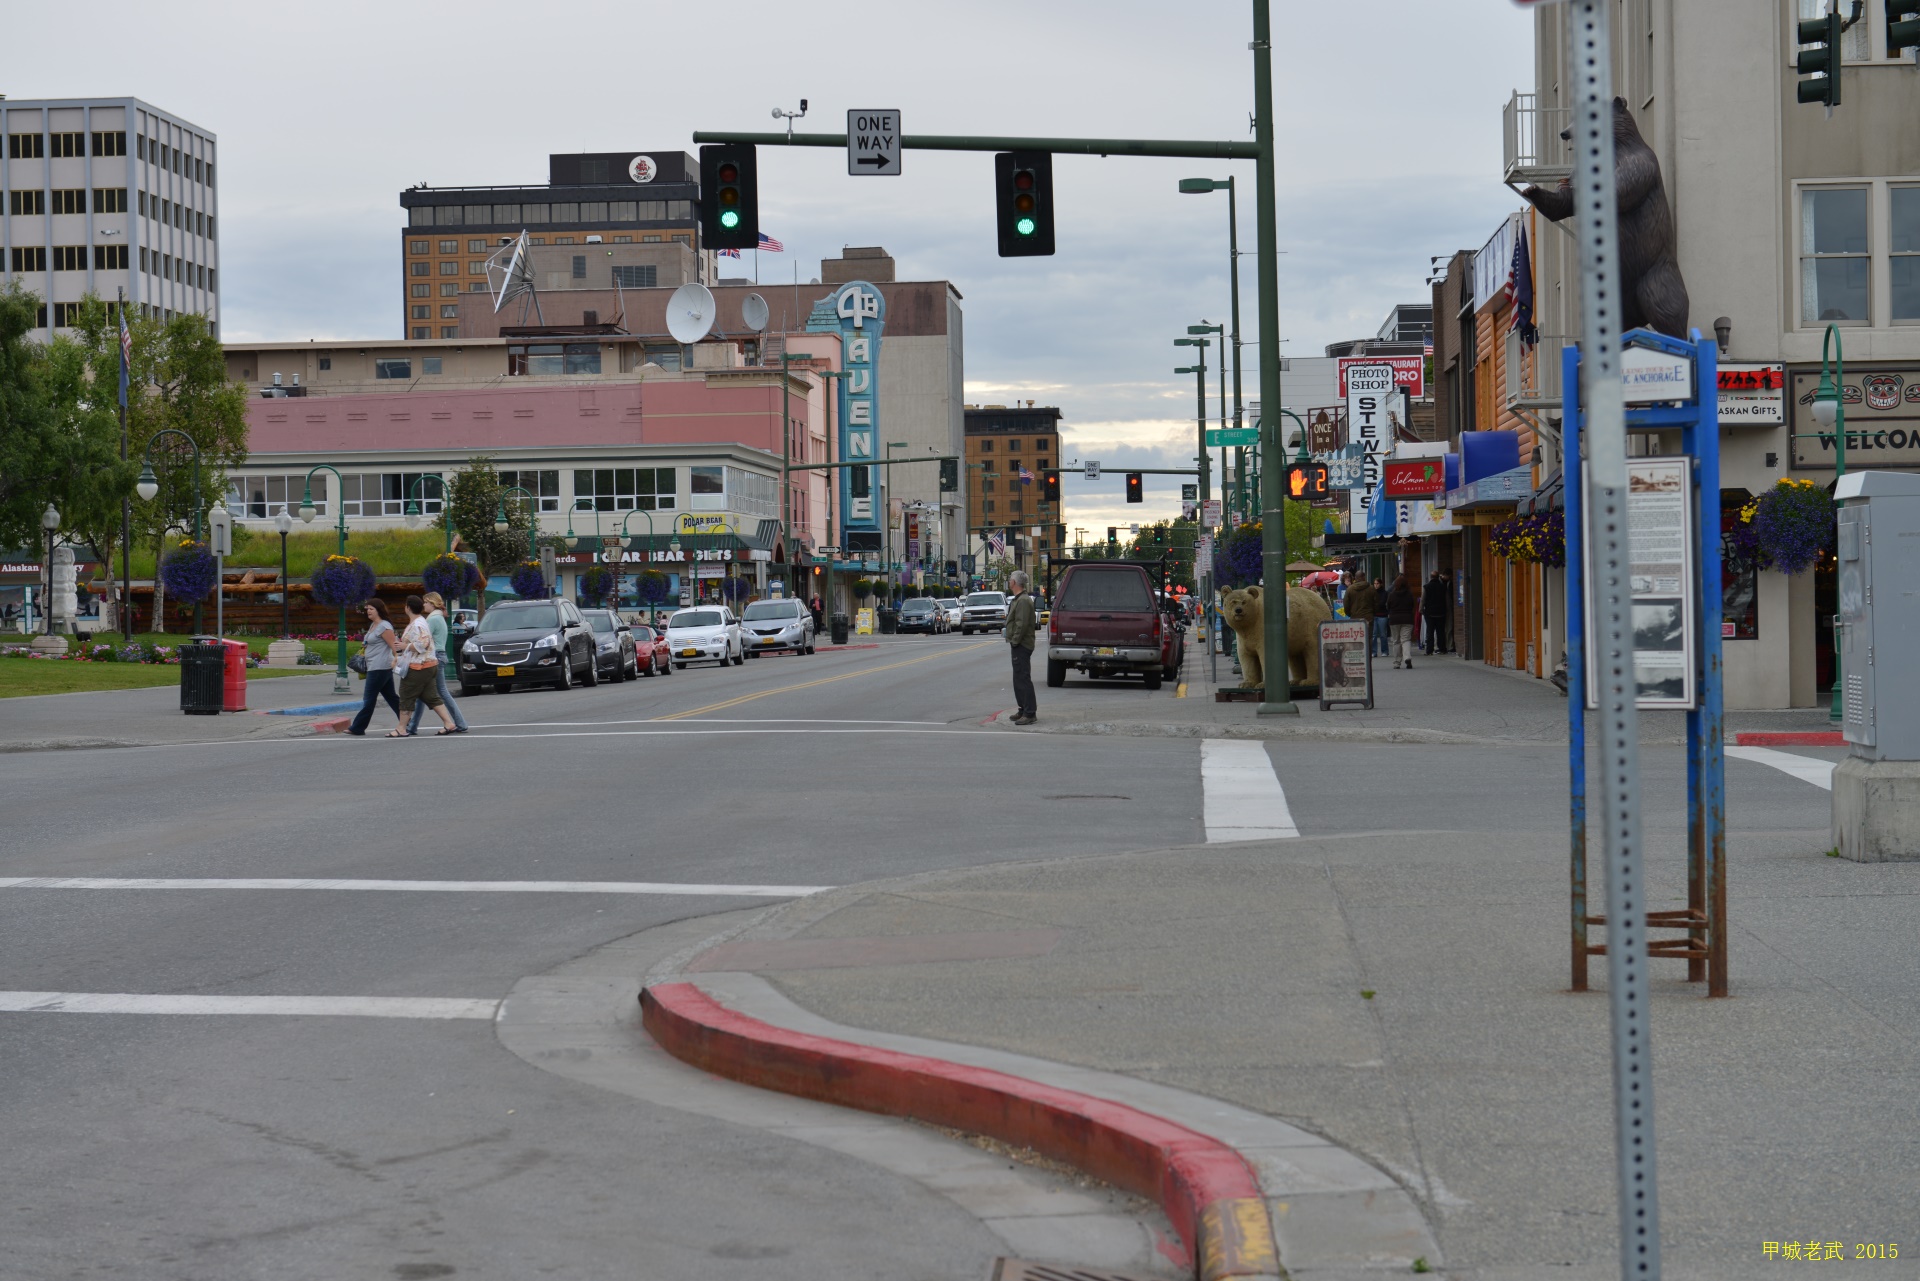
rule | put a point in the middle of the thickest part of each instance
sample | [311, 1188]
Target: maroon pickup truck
[1107, 622]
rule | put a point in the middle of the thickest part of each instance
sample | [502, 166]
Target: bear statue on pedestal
[1246, 613]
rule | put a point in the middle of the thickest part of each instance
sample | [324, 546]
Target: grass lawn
[256, 645]
[22, 676]
[397, 552]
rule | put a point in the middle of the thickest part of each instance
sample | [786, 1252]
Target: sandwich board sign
[1346, 663]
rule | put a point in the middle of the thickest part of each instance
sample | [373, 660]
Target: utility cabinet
[1878, 548]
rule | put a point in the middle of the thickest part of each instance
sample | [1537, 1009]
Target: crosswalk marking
[1808, 769]
[377, 1007]
[1244, 799]
[425, 887]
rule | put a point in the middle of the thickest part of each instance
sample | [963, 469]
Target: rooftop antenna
[790, 117]
[510, 276]
[690, 313]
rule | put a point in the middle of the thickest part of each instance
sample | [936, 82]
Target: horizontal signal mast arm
[969, 142]
[874, 462]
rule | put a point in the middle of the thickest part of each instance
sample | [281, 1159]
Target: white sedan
[709, 634]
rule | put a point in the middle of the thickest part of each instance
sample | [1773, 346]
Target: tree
[475, 498]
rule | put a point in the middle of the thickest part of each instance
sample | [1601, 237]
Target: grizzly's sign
[1883, 420]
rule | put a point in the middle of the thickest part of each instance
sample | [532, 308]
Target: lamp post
[1830, 412]
[1204, 328]
[638, 511]
[307, 512]
[284, 523]
[1200, 382]
[827, 378]
[501, 524]
[416, 507]
[1201, 186]
[149, 486]
[886, 515]
[49, 521]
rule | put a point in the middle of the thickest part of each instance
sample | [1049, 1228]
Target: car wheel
[469, 691]
[592, 676]
[740, 660]
[1153, 678]
[753, 653]
[966, 631]
[679, 667]
[565, 679]
[503, 687]
[1056, 674]
[812, 647]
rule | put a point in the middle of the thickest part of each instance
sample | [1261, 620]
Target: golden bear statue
[1246, 613]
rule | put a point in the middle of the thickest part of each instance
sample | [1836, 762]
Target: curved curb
[1207, 1190]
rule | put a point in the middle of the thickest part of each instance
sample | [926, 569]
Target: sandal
[399, 733]
[442, 733]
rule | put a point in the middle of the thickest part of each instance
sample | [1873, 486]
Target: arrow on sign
[878, 162]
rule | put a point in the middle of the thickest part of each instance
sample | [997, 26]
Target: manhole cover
[1022, 1270]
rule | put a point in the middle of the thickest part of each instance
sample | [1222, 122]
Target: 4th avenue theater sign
[1883, 420]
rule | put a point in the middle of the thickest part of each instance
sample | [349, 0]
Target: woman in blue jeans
[437, 624]
[377, 648]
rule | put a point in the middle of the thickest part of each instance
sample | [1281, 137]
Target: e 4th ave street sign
[873, 143]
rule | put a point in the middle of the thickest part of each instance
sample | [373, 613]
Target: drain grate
[1022, 1270]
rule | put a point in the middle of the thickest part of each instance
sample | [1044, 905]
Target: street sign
[220, 532]
[1217, 437]
[547, 571]
[873, 143]
[1210, 513]
[1093, 469]
[1323, 430]
[1189, 493]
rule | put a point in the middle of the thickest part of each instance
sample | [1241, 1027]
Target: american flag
[1026, 477]
[771, 245]
[126, 355]
[997, 543]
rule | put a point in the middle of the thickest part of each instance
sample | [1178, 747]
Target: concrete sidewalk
[1443, 699]
[152, 717]
[1405, 996]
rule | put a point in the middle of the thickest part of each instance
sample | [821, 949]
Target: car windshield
[695, 618]
[600, 620]
[762, 609]
[918, 605]
[1107, 590]
[513, 618]
[987, 598]
[642, 633]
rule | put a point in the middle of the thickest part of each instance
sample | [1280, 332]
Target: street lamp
[886, 513]
[417, 503]
[307, 512]
[1204, 328]
[625, 541]
[283, 523]
[501, 524]
[1201, 186]
[149, 486]
[1200, 369]
[49, 521]
[1831, 413]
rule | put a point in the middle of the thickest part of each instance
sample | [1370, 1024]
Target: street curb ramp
[1208, 1191]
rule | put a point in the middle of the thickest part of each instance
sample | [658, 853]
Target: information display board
[1346, 664]
[1661, 538]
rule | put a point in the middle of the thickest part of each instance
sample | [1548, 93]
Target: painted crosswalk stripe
[1809, 769]
[377, 1007]
[425, 887]
[1244, 799]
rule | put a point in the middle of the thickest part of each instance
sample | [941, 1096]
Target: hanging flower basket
[189, 572]
[862, 588]
[653, 586]
[527, 581]
[1539, 539]
[1240, 559]
[596, 585]
[341, 582]
[1793, 524]
[735, 589]
[451, 576]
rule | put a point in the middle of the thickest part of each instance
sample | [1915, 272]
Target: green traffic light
[730, 219]
[1025, 226]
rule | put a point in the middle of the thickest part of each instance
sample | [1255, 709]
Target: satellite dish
[753, 309]
[690, 313]
[510, 273]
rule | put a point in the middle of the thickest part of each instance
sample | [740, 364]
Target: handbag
[358, 663]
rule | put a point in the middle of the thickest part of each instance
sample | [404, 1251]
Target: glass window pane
[706, 480]
[1904, 230]
[1833, 289]
[534, 213]
[565, 213]
[506, 213]
[1906, 287]
[1834, 221]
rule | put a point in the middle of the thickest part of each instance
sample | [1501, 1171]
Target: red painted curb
[1203, 1185]
[1789, 738]
[333, 725]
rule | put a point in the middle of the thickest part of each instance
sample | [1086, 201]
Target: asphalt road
[212, 1146]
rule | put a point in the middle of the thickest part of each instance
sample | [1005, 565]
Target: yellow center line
[824, 680]
[1180, 691]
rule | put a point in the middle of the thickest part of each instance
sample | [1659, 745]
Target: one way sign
[873, 143]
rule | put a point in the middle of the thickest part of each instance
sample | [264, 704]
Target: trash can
[889, 621]
[839, 628]
[202, 676]
[234, 672]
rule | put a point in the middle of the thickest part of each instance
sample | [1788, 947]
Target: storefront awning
[762, 545]
[1502, 489]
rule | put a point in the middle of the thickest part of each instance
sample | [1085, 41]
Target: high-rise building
[1010, 448]
[645, 199]
[109, 194]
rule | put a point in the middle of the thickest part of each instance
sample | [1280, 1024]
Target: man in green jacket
[1020, 639]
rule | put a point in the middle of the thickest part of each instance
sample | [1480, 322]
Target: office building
[1010, 448]
[109, 196]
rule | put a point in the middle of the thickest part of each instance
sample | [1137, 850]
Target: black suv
[529, 642]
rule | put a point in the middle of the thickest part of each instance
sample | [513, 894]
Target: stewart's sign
[1882, 409]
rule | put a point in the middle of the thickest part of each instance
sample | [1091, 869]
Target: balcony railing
[1535, 151]
[1535, 383]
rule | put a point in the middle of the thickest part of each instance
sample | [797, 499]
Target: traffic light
[1023, 203]
[949, 475]
[1903, 26]
[1307, 482]
[1819, 59]
[1050, 486]
[1113, 535]
[1159, 535]
[860, 483]
[1135, 490]
[729, 197]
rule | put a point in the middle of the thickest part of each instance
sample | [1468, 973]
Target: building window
[1013, 447]
[387, 493]
[477, 267]
[26, 202]
[69, 144]
[620, 489]
[986, 447]
[65, 314]
[395, 366]
[109, 257]
[449, 331]
[449, 246]
[419, 268]
[262, 497]
[418, 312]
[475, 247]
[554, 358]
[69, 257]
[418, 291]
[70, 200]
[683, 240]
[623, 240]
[473, 286]
[563, 240]
[449, 268]
[1904, 246]
[544, 484]
[989, 507]
[1835, 255]
[110, 144]
[449, 311]
[652, 240]
[531, 214]
[210, 235]
[25, 146]
[109, 199]
[418, 246]
[450, 289]
[636, 277]
[326, 362]
[143, 259]
[430, 364]
[579, 266]
[986, 486]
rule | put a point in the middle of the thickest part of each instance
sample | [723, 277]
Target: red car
[650, 650]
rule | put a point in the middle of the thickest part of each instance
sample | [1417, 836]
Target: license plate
[503, 671]
[689, 652]
[769, 640]
[1105, 651]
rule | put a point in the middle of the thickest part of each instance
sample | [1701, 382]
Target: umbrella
[1304, 567]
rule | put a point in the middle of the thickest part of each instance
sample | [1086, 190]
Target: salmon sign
[1415, 478]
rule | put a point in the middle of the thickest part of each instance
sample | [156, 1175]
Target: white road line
[490, 737]
[1808, 769]
[375, 1007]
[426, 887]
[1244, 800]
[705, 720]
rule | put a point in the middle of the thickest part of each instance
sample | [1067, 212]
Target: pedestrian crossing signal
[1307, 482]
[1136, 492]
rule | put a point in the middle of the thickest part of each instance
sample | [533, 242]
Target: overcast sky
[1389, 132]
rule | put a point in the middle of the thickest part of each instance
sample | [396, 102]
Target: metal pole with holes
[1605, 502]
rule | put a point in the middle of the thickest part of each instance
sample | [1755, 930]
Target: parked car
[955, 609]
[769, 626]
[1107, 623]
[650, 648]
[985, 612]
[706, 634]
[921, 614]
[529, 642]
[615, 652]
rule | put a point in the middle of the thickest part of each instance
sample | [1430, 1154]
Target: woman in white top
[416, 654]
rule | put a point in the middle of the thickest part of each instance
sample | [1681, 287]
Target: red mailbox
[234, 687]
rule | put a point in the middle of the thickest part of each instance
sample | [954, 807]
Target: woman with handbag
[437, 624]
[375, 662]
[423, 671]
